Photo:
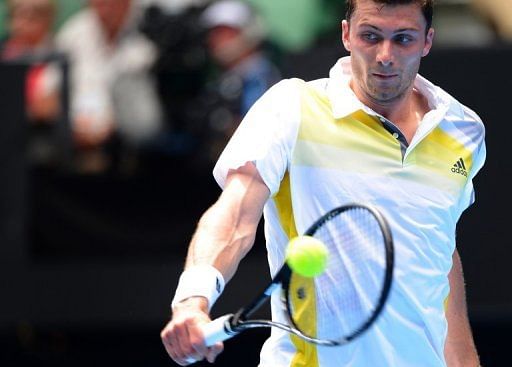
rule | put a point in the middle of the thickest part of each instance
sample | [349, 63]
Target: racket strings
[348, 292]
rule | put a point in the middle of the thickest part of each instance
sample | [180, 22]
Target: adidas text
[460, 171]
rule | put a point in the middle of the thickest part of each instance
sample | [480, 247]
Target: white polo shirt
[316, 146]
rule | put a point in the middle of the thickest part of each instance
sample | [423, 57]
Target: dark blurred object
[47, 141]
[13, 165]
[181, 66]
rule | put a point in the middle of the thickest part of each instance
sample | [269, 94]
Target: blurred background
[114, 112]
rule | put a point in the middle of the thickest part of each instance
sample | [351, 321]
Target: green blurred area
[296, 24]
[64, 9]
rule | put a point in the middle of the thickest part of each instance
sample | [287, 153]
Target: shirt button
[395, 135]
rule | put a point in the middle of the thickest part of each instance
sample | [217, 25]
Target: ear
[428, 42]
[345, 34]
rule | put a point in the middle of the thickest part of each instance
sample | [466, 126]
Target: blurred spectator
[29, 39]
[234, 40]
[499, 15]
[113, 96]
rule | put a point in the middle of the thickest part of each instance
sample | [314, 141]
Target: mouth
[382, 76]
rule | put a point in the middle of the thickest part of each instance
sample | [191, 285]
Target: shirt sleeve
[266, 136]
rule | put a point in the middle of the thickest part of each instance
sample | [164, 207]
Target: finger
[182, 358]
[214, 351]
[184, 348]
[171, 345]
[170, 351]
[166, 337]
[197, 341]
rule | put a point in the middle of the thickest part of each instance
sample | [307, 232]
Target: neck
[406, 111]
[397, 109]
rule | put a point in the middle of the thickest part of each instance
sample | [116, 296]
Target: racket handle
[218, 330]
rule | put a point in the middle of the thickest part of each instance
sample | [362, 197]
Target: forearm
[227, 230]
[460, 348]
[224, 235]
[221, 240]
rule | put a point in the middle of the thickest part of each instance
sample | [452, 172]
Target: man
[373, 132]
[112, 87]
[234, 40]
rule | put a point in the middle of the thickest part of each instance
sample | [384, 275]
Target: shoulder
[284, 100]
[282, 94]
[464, 118]
[457, 114]
[286, 86]
[467, 127]
[281, 102]
[319, 85]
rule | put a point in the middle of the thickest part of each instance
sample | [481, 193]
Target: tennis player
[376, 132]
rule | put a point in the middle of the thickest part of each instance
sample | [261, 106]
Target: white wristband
[200, 280]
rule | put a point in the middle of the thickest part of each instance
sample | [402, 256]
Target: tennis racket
[347, 297]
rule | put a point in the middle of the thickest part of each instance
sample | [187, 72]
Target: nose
[385, 53]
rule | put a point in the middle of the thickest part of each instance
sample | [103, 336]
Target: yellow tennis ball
[306, 256]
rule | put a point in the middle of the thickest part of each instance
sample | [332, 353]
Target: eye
[404, 39]
[370, 37]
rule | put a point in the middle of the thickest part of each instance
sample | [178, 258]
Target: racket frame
[235, 323]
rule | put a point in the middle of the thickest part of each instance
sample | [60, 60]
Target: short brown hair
[427, 7]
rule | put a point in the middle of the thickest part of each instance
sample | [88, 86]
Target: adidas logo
[460, 168]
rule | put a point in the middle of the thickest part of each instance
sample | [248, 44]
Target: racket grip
[218, 330]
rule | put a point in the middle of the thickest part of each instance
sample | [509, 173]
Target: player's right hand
[182, 337]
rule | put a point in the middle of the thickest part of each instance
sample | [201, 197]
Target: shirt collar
[342, 98]
[344, 101]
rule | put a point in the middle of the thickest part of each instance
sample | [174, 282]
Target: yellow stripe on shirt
[302, 290]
